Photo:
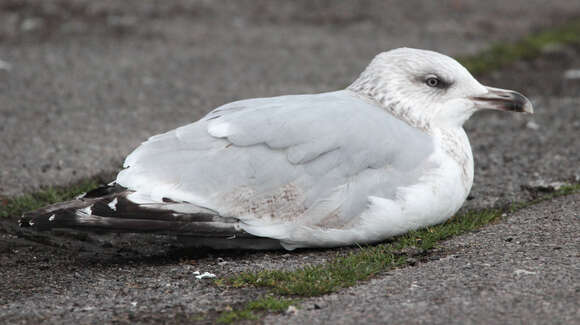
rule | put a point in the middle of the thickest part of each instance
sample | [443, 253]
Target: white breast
[438, 194]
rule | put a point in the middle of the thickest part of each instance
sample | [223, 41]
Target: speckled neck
[372, 85]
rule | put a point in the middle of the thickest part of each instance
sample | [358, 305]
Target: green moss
[502, 54]
[346, 271]
[17, 205]
[564, 190]
[426, 238]
[254, 309]
[229, 317]
[343, 271]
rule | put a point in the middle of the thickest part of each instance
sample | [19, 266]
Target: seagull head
[429, 90]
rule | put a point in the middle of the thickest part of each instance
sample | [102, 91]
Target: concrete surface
[88, 81]
[524, 270]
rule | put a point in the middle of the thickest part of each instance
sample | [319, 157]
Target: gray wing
[309, 159]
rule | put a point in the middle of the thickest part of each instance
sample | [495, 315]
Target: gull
[384, 156]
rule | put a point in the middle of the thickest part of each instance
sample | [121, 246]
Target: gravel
[82, 83]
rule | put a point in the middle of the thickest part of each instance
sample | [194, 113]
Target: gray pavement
[524, 270]
[88, 81]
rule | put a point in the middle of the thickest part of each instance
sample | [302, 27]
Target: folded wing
[306, 159]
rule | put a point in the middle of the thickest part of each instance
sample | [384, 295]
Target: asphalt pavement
[82, 83]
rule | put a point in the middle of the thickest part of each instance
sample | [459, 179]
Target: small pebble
[292, 310]
[205, 275]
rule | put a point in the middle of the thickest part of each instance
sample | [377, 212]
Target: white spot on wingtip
[78, 197]
[31, 223]
[113, 204]
[88, 211]
[86, 216]
[51, 218]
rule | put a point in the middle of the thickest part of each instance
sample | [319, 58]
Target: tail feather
[108, 209]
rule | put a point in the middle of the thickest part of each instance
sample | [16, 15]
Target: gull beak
[504, 100]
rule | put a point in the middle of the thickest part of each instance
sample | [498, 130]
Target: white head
[428, 89]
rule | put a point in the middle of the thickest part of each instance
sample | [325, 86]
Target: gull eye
[433, 82]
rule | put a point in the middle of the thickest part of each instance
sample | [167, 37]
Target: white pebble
[532, 125]
[5, 65]
[292, 310]
[205, 275]
[572, 74]
[524, 272]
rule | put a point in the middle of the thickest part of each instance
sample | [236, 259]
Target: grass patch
[316, 280]
[427, 238]
[564, 190]
[254, 309]
[17, 205]
[530, 47]
[346, 271]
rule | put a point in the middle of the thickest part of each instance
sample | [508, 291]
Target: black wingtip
[38, 220]
[62, 213]
[24, 222]
[107, 209]
[104, 190]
